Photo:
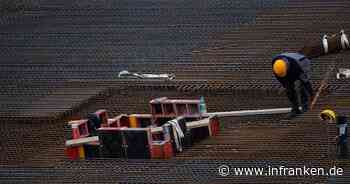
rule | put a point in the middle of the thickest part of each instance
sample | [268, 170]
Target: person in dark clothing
[341, 139]
[94, 123]
[289, 68]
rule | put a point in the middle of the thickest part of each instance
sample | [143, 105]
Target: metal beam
[249, 112]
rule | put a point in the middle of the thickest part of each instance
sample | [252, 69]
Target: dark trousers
[342, 150]
[304, 91]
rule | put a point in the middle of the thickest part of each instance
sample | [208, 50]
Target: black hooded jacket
[298, 68]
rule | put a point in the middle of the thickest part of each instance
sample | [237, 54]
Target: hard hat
[328, 115]
[280, 67]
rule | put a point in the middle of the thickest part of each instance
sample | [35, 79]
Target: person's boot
[294, 113]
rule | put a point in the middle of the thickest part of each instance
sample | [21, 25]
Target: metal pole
[249, 112]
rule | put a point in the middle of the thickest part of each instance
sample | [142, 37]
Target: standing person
[289, 68]
[341, 139]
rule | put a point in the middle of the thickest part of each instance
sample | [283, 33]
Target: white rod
[249, 112]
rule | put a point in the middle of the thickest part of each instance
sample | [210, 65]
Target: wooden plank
[77, 121]
[196, 124]
[141, 115]
[81, 141]
[156, 129]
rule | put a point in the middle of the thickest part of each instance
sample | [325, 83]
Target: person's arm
[342, 129]
[342, 133]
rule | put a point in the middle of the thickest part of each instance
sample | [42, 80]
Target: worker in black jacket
[341, 139]
[289, 68]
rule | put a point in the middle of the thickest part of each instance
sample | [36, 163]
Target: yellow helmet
[280, 68]
[328, 115]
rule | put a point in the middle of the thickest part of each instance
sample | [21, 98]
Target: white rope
[344, 40]
[325, 44]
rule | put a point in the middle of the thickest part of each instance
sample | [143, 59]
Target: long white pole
[249, 112]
